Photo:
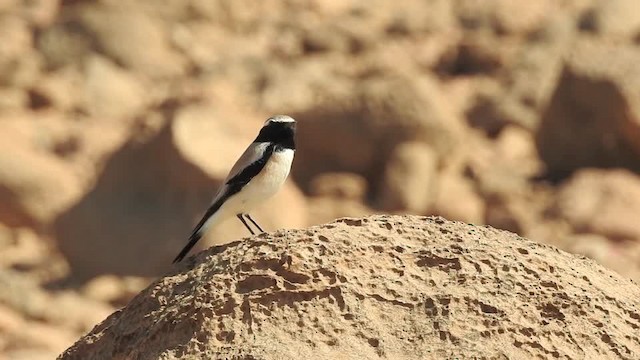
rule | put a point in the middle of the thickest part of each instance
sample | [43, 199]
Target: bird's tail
[193, 239]
[211, 216]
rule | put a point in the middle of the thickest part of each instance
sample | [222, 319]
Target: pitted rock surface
[391, 287]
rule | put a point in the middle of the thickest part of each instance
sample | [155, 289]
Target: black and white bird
[257, 175]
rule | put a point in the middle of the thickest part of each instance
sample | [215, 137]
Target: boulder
[613, 18]
[110, 91]
[395, 287]
[345, 186]
[35, 187]
[456, 199]
[521, 93]
[593, 118]
[410, 179]
[605, 202]
[131, 35]
[359, 132]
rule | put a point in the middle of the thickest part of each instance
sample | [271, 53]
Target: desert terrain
[118, 121]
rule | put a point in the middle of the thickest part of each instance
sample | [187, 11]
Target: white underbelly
[264, 185]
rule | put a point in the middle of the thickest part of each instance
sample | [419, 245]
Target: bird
[255, 177]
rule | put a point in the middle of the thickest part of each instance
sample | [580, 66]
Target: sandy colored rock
[42, 336]
[619, 257]
[326, 209]
[129, 34]
[379, 287]
[196, 126]
[61, 90]
[35, 194]
[456, 199]
[88, 86]
[381, 113]
[602, 202]
[410, 179]
[593, 119]
[532, 15]
[113, 290]
[110, 91]
[64, 308]
[516, 148]
[105, 288]
[41, 12]
[339, 185]
[16, 332]
[19, 64]
[522, 93]
[616, 18]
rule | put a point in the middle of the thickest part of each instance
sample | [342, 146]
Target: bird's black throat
[281, 134]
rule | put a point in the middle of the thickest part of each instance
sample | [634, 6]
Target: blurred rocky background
[119, 119]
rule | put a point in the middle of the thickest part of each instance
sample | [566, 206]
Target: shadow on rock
[139, 212]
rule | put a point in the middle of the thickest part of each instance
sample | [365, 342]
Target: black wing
[232, 187]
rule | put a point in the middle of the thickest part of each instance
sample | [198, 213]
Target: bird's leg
[245, 223]
[254, 223]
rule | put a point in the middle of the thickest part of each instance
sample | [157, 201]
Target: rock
[613, 18]
[66, 42]
[516, 148]
[346, 186]
[62, 90]
[382, 113]
[25, 249]
[533, 15]
[456, 199]
[42, 337]
[498, 14]
[111, 92]
[70, 310]
[63, 309]
[105, 288]
[12, 100]
[153, 190]
[19, 64]
[18, 40]
[34, 186]
[414, 18]
[478, 53]
[131, 36]
[397, 287]
[509, 213]
[41, 13]
[593, 119]
[498, 169]
[323, 209]
[116, 291]
[128, 34]
[10, 320]
[614, 256]
[520, 95]
[196, 125]
[30, 354]
[409, 180]
[605, 202]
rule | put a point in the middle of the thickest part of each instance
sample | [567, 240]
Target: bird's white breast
[266, 183]
[275, 171]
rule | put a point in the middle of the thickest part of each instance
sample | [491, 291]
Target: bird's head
[279, 129]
